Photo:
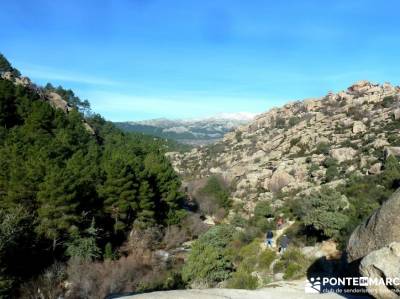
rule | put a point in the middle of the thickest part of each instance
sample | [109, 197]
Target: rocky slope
[195, 131]
[303, 145]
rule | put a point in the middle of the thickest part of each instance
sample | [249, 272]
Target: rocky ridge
[290, 149]
[190, 131]
[55, 100]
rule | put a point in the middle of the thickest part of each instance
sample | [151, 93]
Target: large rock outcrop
[343, 154]
[381, 229]
[296, 143]
[381, 265]
[279, 180]
[392, 151]
[58, 102]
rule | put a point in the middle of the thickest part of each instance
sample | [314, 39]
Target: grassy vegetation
[293, 264]
[335, 213]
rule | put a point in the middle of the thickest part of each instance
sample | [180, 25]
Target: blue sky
[141, 59]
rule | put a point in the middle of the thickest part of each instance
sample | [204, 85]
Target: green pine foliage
[65, 177]
[58, 203]
[324, 211]
[210, 261]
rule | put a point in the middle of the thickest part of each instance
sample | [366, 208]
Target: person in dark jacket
[284, 243]
[268, 238]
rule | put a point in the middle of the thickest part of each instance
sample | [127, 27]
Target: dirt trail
[277, 234]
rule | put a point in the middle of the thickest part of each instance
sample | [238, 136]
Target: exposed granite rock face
[297, 139]
[7, 76]
[379, 143]
[57, 102]
[396, 114]
[343, 154]
[375, 169]
[359, 127]
[279, 179]
[24, 81]
[383, 264]
[392, 151]
[89, 128]
[379, 230]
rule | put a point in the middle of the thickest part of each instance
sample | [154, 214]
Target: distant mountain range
[190, 131]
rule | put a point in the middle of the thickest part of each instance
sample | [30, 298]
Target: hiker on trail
[279, 223]
[269, 237]
[284, 244]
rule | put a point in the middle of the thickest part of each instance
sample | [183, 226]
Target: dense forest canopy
[60, 183]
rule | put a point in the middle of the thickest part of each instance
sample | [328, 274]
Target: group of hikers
[284, 242]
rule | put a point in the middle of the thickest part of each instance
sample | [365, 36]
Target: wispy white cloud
[51, 74]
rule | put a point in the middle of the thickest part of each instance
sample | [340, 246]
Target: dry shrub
[141, 241]
[130, 274]
[206, 204]
[99, 279]
[190, 228]
[220, 215]
[49, 285]
[194, 225]
[139, 269]
[174, 237]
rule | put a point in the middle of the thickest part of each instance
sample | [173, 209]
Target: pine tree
[84, 167]
[146, 205]
[119, 192]
[58, 205]
[167, 184]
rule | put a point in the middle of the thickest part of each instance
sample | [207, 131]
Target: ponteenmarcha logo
[317, 284]
[313, 285]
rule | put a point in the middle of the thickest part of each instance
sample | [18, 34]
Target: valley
[192, 132]
[122, 212]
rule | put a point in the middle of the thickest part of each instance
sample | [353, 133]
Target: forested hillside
[72, 187]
